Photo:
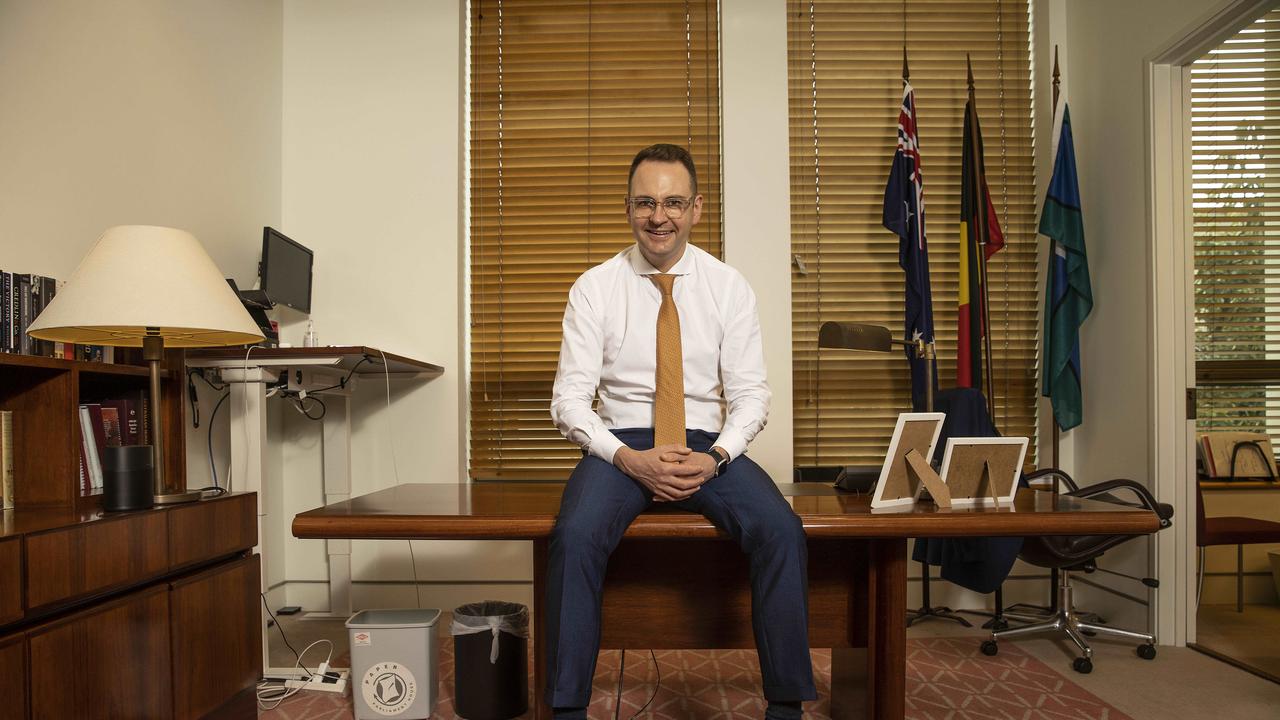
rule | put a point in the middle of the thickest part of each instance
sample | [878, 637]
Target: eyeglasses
[644, 207]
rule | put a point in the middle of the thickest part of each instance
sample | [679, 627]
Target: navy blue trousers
[598, 504]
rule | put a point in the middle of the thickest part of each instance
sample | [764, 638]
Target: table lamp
[149, 287]
[875, 338]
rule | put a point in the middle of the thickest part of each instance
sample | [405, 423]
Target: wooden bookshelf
[45, 394]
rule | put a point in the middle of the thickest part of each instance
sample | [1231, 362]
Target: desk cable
[395, 466]
[271, 693]
[622, 666]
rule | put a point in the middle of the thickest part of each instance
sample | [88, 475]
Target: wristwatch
[721, 460]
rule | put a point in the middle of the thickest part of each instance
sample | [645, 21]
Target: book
[89, 449]
[15, 313]
[24, 312]
[6, 300]
[1217, 449]
[48, 288]
[6, 459]
[111, 425]
[129, 421]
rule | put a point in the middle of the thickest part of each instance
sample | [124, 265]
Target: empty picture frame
[962, 470]
[913, 431]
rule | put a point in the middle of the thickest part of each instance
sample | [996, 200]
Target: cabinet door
[10, 581]
[13, 677]
[210, 529]
[109, 662]
[71, 562]
[217, 645]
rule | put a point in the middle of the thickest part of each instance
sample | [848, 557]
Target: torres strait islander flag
[1068, 297]
[980, 238]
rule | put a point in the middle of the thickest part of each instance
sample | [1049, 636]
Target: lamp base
[176, 498]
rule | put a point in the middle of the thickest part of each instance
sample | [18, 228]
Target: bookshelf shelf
[87, 368]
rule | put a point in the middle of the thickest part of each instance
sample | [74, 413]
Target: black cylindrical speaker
[127, 477]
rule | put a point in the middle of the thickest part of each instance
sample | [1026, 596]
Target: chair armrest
[1059, 477]
[1148, 501]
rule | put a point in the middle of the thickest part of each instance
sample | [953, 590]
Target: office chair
[1233, 530]
[1079, 553]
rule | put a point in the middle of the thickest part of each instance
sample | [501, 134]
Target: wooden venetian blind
[845, 65]
[563, 95]
[1235, 113]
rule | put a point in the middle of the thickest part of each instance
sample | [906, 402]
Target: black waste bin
[490, 660]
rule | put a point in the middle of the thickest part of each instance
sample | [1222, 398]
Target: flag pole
[982, 260]
[1057, 459]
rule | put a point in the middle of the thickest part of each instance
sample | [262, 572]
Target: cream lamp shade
[142, 279]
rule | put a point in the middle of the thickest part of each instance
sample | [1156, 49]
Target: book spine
[89, 449]
[111, 425]
[99, 429]
[15, 314]
[6, 323]
[24, 313]
[50, 290]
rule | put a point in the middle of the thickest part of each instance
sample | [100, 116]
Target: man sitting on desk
[669, 338]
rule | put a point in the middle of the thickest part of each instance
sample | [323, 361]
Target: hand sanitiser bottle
[309, 340]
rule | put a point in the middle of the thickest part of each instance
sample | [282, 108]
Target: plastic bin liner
[491, 616]
[490, 652]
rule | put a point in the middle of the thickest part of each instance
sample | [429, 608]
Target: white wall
[160, 112]
[150, 112]
[1109, 45]
[372, 148]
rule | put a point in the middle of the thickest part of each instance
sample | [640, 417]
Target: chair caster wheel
[989, 647]
[1147, 652]
[1084, 666]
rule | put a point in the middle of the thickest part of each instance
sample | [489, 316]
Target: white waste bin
[393, 663]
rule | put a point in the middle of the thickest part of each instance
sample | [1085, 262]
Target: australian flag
[904, 216]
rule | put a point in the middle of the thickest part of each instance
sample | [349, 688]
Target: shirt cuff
[605, 446]
[733, 443]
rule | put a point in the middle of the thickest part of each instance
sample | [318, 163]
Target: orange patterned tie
[668, 401]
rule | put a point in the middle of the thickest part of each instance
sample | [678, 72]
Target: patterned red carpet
[947, 679]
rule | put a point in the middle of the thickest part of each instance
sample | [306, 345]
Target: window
[1235, 96]
[562, 97]
[845, 62]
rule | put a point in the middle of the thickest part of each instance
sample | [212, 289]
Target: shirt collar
[683, 266]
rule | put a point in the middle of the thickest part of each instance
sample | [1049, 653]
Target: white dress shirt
[610, 348]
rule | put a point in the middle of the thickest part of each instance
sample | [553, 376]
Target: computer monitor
[285, 271]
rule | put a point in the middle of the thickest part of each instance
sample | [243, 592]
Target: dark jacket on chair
[977, 563]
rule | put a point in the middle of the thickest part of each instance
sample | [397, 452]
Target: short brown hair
[665, 152]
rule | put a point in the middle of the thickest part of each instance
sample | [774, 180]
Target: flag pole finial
[906, 72]
[1056, 76]
[969, 64]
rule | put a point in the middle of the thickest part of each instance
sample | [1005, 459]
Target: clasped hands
[670, 472]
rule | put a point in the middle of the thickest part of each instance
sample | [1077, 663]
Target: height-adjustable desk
[676, 582]
[314, 369]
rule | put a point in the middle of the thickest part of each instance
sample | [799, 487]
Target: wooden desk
[677, 582]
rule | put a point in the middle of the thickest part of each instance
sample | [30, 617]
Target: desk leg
[887, 630]
[540, 709]
[248, 435]
[337, 488]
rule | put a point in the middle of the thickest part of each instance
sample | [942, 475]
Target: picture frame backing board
[913, 431]
[962, 469]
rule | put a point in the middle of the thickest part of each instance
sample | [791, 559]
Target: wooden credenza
[150, 614]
